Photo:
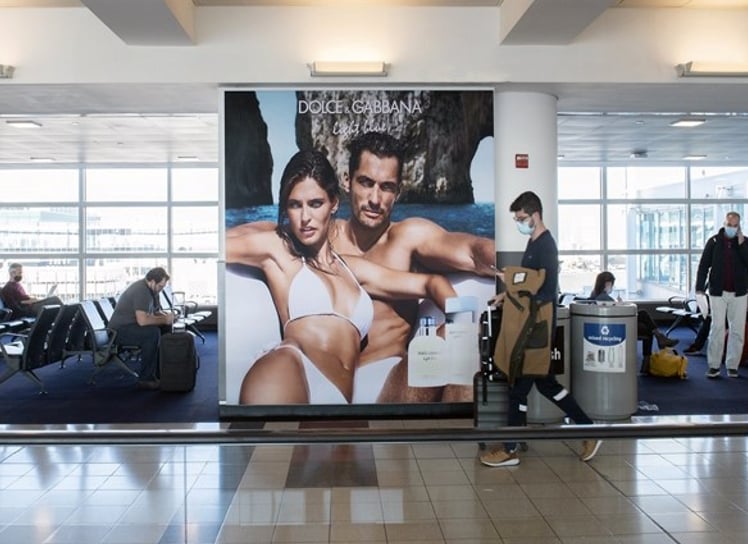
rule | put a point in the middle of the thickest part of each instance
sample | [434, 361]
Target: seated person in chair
[15, 297]
[138, 319]
[646, 327]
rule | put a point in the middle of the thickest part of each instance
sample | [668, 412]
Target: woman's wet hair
[304, 164]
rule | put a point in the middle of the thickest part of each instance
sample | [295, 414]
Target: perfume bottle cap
[426, 321]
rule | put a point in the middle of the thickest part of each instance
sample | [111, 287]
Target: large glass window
[126, 184]
[194, 184]
[577, 273]
[646, 226]
[653, 233]
[126, 223]
[39, 229]
[107, 277]
[39, 186]
[635, 183]
[195, 277]
[195, 229]
[126, 229]
[581, 226]
[579, 183]
[719, 182]
[41, 275]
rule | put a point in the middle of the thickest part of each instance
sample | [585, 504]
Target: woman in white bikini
[322, 301]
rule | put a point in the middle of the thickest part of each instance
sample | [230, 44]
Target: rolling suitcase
[178, 362]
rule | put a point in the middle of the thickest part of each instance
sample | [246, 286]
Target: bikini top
[308, 295]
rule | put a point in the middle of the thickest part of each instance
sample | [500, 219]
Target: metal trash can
[603, 359]
[539, 408]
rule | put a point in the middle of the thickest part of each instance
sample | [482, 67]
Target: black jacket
[712, 265]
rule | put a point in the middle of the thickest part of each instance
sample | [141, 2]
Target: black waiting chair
[58, 345]
[185, 310]
[29, 351]
[685, 311]
[124, 352]
[101, 341]
[10, 323]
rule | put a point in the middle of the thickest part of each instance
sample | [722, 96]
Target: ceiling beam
[148, 22]
[547, 22]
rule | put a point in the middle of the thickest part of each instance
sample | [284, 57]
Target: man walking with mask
[541, 253]
[724, 268]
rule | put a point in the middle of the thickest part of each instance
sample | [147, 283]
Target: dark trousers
[147, 339]
[549, 387]
[645, 326]
[703, 333]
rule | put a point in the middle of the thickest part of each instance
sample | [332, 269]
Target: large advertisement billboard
[359, 245]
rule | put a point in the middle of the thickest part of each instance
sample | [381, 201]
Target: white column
[525, 126]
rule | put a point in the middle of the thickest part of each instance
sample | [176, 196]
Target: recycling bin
[603, 359]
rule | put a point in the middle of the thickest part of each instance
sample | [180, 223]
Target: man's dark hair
[157, 274]
[529, 202]
[380, 144]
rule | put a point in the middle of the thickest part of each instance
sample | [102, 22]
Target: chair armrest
[14, 334]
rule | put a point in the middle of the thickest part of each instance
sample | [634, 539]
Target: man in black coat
[724, 269]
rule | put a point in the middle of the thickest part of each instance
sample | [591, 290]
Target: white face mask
[524, 227]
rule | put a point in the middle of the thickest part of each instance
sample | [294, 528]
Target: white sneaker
[589, 449]
[499, 457]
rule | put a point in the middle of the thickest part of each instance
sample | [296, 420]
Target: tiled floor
[688, 490]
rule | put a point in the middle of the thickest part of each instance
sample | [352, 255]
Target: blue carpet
[696, 395]
[112, 399]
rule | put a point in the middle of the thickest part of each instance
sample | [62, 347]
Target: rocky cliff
[440, 132]
[248, 160]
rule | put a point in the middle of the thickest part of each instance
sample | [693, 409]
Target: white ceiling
[160, 122]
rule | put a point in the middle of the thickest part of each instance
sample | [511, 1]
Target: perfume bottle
[426, 356]
[461, 337]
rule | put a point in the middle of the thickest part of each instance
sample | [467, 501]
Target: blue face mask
[731, 232]
[524, 227]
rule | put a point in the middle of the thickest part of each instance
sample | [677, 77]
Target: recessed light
[688, 122]
[41, 159]
[639, 154]
[187, 158]
[23, 123]
[560, 157]
[694, 157]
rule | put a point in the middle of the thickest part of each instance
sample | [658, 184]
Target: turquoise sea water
[473, 218]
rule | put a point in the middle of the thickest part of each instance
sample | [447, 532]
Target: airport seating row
[59, 333]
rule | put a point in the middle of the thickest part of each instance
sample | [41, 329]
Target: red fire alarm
[521, 160]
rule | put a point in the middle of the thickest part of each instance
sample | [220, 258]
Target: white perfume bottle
[461, 337]
[426, 356]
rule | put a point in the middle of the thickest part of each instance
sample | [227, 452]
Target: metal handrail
[227, 436]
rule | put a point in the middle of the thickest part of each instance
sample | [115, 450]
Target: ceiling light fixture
[187, 158]
[688, 122]
[23, 123]
[6, 71]
[694, 157]
[342, 69]
[41, 159]
[711, 69]
[639, 154]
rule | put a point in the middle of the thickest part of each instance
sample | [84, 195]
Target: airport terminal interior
[112, 141]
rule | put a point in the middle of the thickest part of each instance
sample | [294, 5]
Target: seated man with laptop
[21, 303]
